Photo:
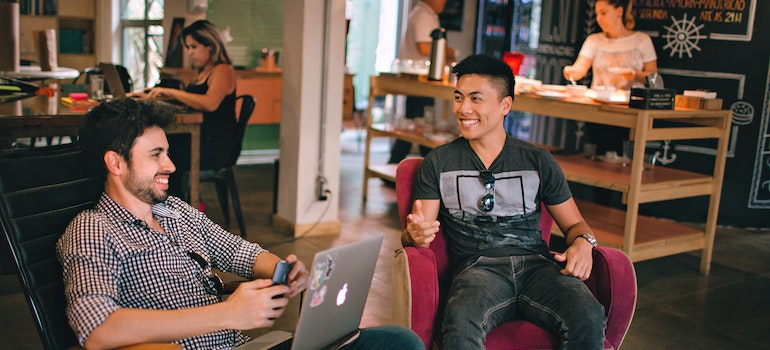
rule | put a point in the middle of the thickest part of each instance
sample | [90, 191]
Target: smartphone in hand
[281, 273]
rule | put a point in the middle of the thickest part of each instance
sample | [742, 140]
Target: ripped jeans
[491, 291]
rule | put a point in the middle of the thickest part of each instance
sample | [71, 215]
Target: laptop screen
[334, 302]
[112, 78]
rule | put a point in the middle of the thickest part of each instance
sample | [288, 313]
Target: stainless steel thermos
[437, 54]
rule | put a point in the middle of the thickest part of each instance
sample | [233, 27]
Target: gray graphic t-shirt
[524, 175]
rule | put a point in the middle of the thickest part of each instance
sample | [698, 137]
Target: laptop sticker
[322, 270]
[318, 297]
[329, 265]
[319, 273]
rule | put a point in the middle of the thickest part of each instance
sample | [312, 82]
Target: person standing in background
[617, 46]
[415, 46]
[212, 90]
[608, 53]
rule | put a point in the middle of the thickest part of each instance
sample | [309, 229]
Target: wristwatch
[589, 237]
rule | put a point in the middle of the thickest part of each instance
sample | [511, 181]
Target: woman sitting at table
[212, 91]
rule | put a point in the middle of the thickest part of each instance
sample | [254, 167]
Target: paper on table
[700, 93]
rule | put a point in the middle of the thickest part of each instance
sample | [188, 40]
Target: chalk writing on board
[760, 182]
[714, 19]
[683, 36]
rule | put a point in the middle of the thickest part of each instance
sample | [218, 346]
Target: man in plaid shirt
[138, 266]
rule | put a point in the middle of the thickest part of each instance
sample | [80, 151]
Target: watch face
[589, 238]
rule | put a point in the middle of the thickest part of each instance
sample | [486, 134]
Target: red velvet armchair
[613, 282]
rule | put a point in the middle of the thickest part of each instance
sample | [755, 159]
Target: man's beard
[145, 193]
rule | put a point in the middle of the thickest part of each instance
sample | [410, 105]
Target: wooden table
[41, 116]
[640, 237]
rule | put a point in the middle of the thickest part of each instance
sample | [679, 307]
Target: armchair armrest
[613, 282]
[425, 300]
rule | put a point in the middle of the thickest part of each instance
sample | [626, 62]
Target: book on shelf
[75, 41]
[37, 7]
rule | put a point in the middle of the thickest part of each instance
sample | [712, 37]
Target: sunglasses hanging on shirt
[215, 285]
[487, 201]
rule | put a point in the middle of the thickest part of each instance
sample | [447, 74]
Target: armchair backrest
[406, 176]
[41, 190]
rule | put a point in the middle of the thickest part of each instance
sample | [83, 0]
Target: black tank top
[217, 130]
[224, 115]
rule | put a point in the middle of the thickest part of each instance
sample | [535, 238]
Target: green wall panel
[262, 137]
[254, 24]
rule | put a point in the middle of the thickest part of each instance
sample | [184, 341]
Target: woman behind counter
[616, 47]
[212, 91]
[608, 53]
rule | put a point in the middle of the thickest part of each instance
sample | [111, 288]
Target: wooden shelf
[658, 183]
[416, 135]
[73, 17]
[654, 237]
[387, 171]
[638, 236]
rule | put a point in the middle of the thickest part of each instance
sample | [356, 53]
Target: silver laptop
[334, 301]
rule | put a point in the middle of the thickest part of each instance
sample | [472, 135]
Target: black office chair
[171, 83]
[224, 177]
[41, 190]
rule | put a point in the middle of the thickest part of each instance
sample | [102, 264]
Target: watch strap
[589, 237]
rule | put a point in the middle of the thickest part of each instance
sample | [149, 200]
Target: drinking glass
[628, 149]
[429, 119]
[589, 150]
[650, 160]
[97, 87]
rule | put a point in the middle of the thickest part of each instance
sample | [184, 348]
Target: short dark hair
[497, 70]
[115, 125]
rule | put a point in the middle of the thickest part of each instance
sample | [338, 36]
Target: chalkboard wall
[719, 45]
[723, 46]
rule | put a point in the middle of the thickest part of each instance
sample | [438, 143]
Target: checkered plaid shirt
[113, 260]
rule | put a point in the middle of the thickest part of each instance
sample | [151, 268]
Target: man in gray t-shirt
[526, 176]
[486, 188]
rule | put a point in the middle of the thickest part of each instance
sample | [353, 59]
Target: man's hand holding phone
[281, 273]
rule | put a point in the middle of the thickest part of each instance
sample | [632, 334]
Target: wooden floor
[677, 307]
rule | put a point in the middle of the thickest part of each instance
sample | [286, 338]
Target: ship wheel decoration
[682, 36]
